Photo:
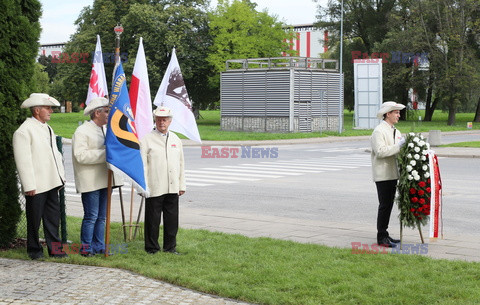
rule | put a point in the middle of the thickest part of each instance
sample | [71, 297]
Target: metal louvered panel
[255, 93]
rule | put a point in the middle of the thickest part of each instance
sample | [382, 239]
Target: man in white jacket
[162, 154]
[91, 175]
[40, 168]
[386, 141]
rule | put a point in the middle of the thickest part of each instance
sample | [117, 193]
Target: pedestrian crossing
[338, 149]
[242, 172]
[251, 171]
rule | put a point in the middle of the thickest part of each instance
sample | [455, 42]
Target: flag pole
[109, 204]
[118, 31]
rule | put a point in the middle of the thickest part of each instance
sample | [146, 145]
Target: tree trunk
[451, 115]
[477, 112]
[429, 107]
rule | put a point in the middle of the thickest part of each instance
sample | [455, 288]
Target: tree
[366, 23]
[162, 24]
[446, 26]
[50, 66]
[19, 36]
[239, 31]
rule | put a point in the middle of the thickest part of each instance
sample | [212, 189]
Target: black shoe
[386, 243]
[63, 255]
[151, 252]
[173, 252]
[88, 254]
[393, 240]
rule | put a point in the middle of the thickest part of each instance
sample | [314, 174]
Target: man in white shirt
[386, 141]
[40, 168]
[91, 175]
[162, 154]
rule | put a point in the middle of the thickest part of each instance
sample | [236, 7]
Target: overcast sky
[59, 15]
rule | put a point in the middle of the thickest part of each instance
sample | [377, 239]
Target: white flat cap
[95, 103]
[387, 107]
[39, 99]
[163, 112]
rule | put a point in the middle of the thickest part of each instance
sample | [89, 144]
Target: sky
[59, 15]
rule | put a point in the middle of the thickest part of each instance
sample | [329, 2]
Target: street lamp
[340, 104]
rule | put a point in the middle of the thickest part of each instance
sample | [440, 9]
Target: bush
[19, 36]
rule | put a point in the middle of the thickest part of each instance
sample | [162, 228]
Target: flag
[98, 81]
[140, 99]
[173, 94]
[122, 145]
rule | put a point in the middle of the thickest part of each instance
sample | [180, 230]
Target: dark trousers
[43, 207]
[386, 195]
[154, 206]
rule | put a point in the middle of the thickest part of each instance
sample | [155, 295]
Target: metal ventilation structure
[280, 94]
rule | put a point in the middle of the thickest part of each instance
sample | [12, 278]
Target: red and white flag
[173, 94]
[98, 81]
[140, 99]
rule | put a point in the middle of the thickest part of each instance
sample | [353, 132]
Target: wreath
[414, 182]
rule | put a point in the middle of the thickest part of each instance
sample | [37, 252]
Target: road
[321, 182]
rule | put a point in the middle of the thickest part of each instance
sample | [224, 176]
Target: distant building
[47, 48]
[309, 41]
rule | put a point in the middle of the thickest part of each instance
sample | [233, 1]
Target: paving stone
[35, 282]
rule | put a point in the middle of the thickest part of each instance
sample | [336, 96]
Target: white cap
[387, 107]
[163, 112]
[95, 103]
[39, 99]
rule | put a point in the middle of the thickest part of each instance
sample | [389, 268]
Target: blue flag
[122, 145]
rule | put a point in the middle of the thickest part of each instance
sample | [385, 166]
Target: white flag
[140, 99]
[98, 82]
[173, 94]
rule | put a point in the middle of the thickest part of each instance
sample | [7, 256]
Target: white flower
[426, 175]
[428, 145]
[424, 152]
[409, 156]
[424, 158]
[410, 145]
[414, 173]
[410, 177]
[416, 139]
[416, 156]
[413, 162]
[421, 143]
[425, 167]
[409, 168]
[416, 149]
[416, 178]
[412, 134]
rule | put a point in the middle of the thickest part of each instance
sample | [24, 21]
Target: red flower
[420, 193]
[421, 201]
[428, 180]
[416, 214]
[422, 184]
[414, 199]
[428, 190]
[420, 218]
[413, 191]
[412, 210]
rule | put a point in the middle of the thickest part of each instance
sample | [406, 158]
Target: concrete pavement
[24, 280]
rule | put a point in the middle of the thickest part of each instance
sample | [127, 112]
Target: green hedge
[19, 36]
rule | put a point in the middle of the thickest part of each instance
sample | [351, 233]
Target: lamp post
[340, 104]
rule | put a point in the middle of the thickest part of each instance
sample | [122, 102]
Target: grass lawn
[268, 271]
[475, 144]
[64, 124]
